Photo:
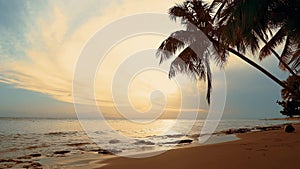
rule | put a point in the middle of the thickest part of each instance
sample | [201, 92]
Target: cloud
[39, 71]
[55, 41]
[39, 49]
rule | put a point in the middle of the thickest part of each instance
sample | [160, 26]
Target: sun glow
[152, 85]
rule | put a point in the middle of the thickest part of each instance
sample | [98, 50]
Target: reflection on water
[48, 137]
[138, 130]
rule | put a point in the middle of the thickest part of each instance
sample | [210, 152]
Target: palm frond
[222, 53]
[168, 48]
[177, 11]
[195, 13]
[253, 42]
[295, 60]
[296, 55]
[174, 42]
[191, 61]
[276, 40]
[287, 52]
[184, 63]
[183, 12]
[296, 65]
[195, 65]
[241, 25]
[216, 3]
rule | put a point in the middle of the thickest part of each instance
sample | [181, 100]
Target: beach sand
[264, 149]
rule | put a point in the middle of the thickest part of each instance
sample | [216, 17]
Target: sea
[26, 136]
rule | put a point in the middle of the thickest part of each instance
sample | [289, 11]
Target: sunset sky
[41, 41]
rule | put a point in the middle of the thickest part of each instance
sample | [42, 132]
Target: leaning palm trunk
[255, 65]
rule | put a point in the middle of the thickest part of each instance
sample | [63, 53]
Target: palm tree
[234, 28]
[256, 20]
[194, 58]
[285, 16]
[274, 15]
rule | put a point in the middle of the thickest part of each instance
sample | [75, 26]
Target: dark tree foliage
[291, 102]
[291, 108]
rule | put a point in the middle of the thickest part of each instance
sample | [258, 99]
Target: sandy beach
[264, 145]
[264, 149]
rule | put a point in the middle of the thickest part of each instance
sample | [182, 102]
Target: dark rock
[243, 130]
[61, 152]
[3, 160]
[96, 150]
[61, 133]
[77, 144]
[35, 165]
[6, 160]
[289, 128]
[230, 131]
[240, 130]
[25, 157]
[18, 161]
[102, 151]
[110, 152]
[269, 128]
[187, 141]
[26, 166]
[35, 155]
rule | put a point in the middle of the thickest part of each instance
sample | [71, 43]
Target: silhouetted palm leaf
[295, 60]
[243, 25]
[175, 42]
[196, 65]
[287, 50]
[276, 40]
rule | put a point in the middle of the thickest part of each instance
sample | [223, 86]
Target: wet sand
[264, 149]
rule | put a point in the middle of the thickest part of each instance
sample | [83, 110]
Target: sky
[42, 40]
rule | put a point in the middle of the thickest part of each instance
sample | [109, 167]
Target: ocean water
[23, 136]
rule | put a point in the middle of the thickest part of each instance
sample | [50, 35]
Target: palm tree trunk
[264, 71]
[255, 65]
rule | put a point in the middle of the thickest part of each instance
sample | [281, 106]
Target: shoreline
[221, 137]
[285, 118]
[257, 149]
[98, 160]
